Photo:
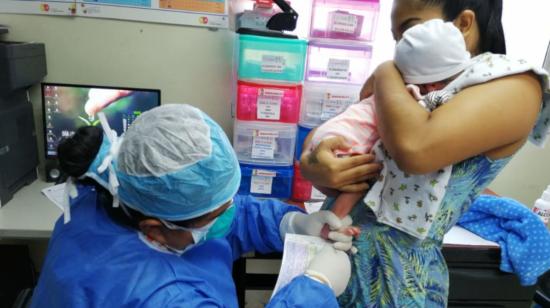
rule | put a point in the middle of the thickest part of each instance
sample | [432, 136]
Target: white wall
[527, 30]
[193, 65]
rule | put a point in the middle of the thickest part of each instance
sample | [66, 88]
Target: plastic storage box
[303, 131]
[344, 19]
[267, 182]
[262, 57]
[338, 63]
[264, 143]
[302, 189]
[257, 101]
[322, 101]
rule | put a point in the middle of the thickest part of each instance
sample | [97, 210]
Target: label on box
[316, 194]
[260, 172]
[338, 69]
[264, 144]
[273, 64]
[262, 181]
[313, 111]
[343, 23]
[334, 105]
[269, 104]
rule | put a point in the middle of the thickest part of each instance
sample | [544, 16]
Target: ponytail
[76, 153]
[492, 39]
[488, 17]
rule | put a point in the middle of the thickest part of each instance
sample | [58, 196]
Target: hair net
[174, 163]
[431, 51]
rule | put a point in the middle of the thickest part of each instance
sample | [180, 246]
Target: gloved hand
[331, 267]
[312, 224]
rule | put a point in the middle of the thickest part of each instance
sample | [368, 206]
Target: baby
[429, 56]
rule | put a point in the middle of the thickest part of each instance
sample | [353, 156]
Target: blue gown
[94, 262]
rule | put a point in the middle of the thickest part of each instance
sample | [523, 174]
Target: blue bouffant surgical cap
[174, 163]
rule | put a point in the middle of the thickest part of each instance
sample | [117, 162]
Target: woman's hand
[348, 174]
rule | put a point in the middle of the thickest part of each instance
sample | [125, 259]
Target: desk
[475, 279]
[29, 215]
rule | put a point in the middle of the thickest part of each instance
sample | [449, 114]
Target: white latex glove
[312, 224]
[331, 267]
[101, 98]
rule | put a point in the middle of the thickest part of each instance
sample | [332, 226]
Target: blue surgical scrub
[94, 262]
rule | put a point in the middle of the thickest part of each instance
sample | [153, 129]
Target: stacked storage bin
[339, 55]
[269, 91]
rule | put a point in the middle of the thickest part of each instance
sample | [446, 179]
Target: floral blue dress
[394, 269]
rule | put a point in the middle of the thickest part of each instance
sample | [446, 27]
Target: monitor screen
[67, 107]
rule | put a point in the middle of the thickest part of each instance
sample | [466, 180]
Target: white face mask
[198, 234]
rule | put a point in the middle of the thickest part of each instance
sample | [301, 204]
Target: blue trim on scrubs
[93, 262]
[304, 292]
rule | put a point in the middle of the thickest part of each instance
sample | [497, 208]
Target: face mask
[217, 228]
[222, 224]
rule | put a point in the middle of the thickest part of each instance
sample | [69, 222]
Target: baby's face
[434, 86]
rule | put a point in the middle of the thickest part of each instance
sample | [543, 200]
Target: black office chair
[17, 273]
[542, 295]
[23, 300]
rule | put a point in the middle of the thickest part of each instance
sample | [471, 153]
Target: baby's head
[431, 54]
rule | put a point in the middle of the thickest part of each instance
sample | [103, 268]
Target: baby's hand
[342, 237]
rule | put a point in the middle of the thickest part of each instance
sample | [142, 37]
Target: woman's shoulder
[489, 66]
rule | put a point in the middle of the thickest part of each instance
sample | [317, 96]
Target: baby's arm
[342, 206]
[358, 125]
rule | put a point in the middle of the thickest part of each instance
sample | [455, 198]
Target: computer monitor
[67, 107]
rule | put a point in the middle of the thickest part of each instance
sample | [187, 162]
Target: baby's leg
[342, 206]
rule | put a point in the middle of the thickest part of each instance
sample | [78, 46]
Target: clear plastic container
[542, 206]
[249, 14]
[347, 64]
[268, 102]
[303, 131]
[322, 101]
[270, 58]
[267, 182]
[264, 143]
[302, 189]
[344, 19]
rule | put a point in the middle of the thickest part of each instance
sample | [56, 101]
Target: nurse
[154, 221]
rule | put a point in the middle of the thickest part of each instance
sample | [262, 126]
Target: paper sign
[334, 105]
[343, 23]
[298, 252]
[263, 144]
[262, 181]
[338, 69]
[273, 64]
[269, 104]
[260, 172]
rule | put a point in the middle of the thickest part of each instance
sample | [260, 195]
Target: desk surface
[29, 214]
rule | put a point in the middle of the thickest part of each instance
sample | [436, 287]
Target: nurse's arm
[303, 291]
[256, 225]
